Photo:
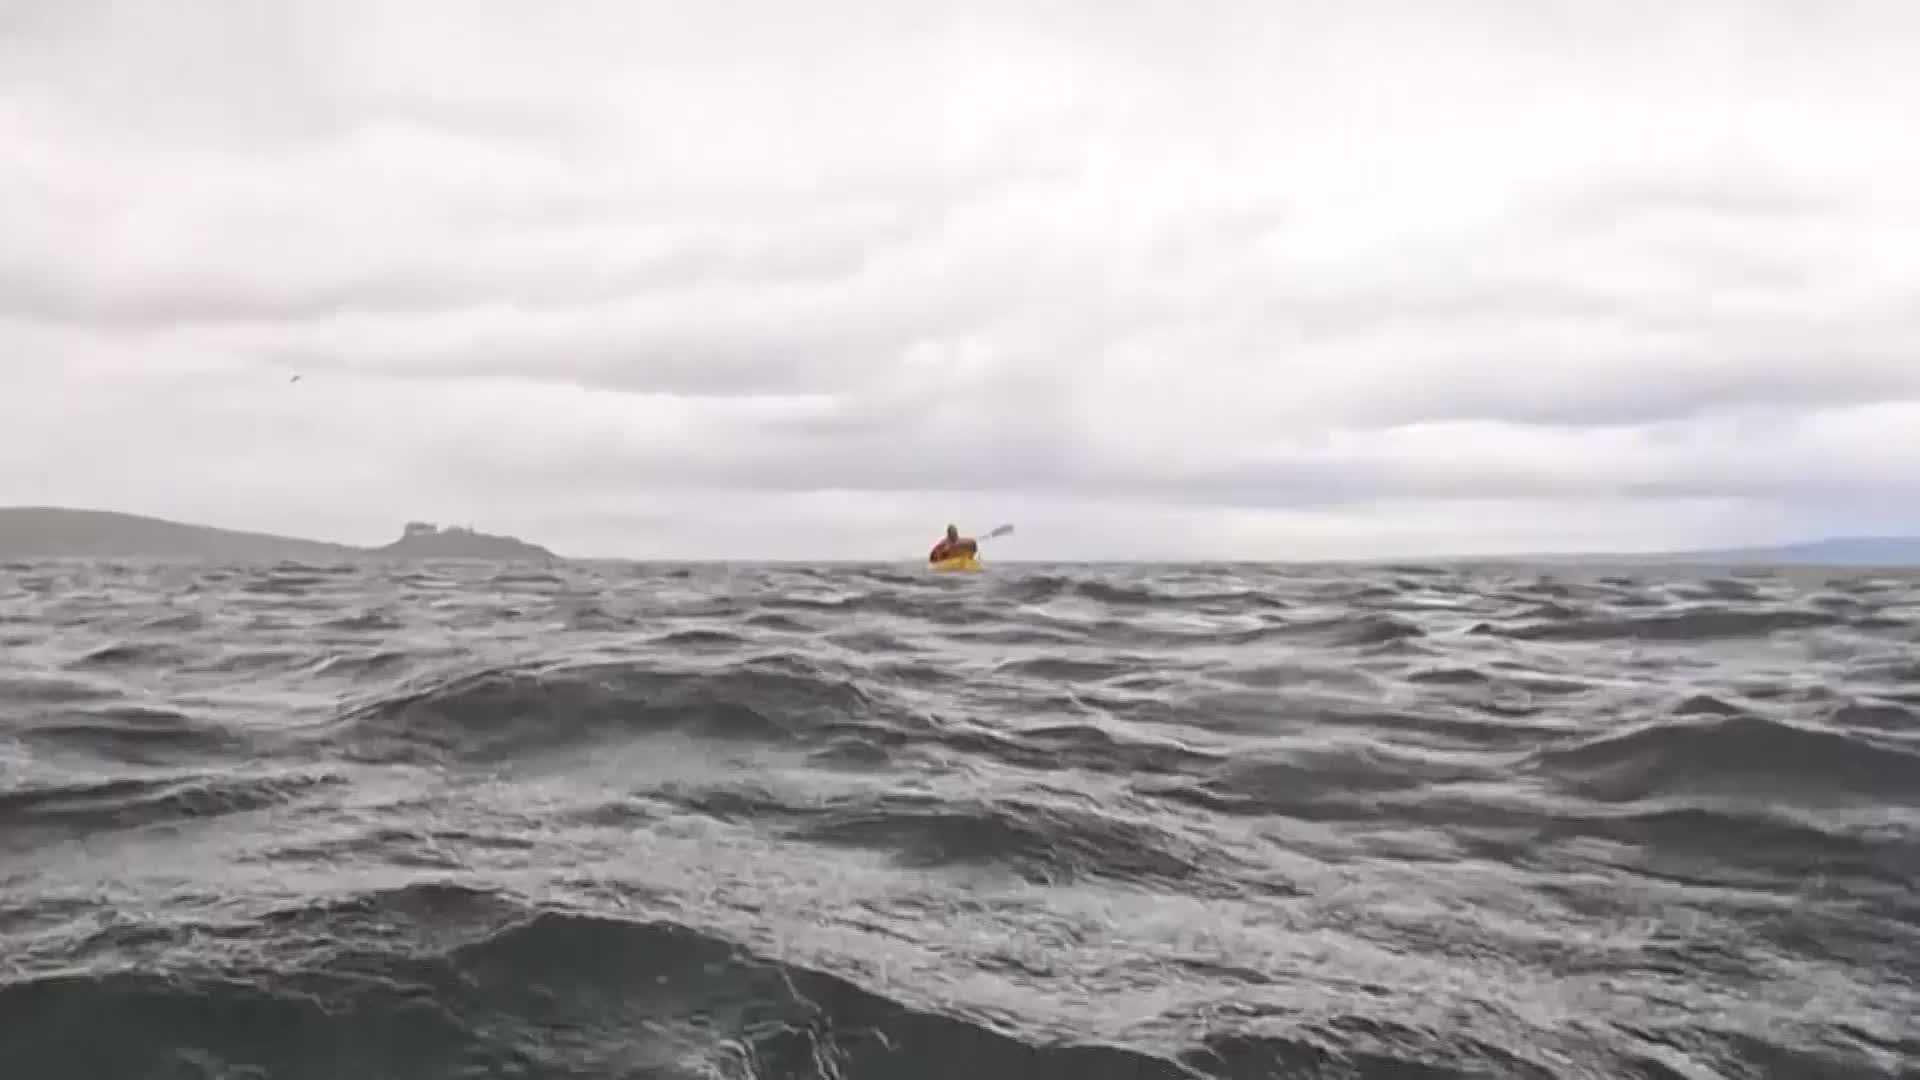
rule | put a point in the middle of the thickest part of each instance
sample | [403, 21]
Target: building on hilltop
[428, 528]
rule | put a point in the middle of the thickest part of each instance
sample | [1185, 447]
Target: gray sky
[1181, 279]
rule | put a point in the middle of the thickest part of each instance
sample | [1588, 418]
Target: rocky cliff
[426, 541]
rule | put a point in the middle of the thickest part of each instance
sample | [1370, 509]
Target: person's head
[953, 532]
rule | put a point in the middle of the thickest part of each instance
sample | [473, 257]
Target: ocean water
[865, 822]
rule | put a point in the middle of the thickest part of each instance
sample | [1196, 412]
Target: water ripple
[1050, 821]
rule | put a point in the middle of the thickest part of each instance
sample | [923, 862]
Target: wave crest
[1740, 755]
[505, 712]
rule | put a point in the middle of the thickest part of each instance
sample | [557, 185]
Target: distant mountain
[52, 533]
[1879, 551]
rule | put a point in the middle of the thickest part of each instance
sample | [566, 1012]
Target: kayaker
[953, 545]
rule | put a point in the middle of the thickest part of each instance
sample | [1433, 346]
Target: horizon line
[1744, 552]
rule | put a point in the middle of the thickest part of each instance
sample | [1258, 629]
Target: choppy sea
[852, 822]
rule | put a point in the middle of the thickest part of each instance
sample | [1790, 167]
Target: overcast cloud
[738, 279]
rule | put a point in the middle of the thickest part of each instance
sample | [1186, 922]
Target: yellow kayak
[967, 563]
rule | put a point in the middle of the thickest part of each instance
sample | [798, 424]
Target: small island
[425, 540]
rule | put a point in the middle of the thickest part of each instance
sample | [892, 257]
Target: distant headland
[31, 532]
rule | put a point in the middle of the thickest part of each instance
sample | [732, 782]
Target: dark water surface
[863, 822]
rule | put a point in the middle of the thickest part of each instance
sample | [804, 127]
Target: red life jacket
[948, 549]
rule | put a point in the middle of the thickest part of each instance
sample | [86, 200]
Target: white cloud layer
[745, 279]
